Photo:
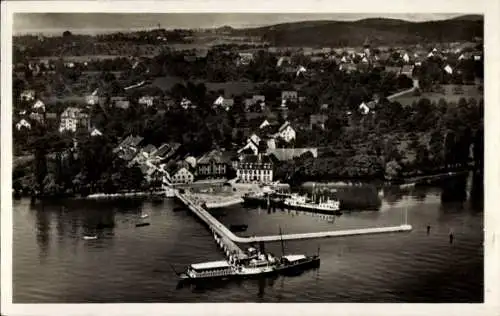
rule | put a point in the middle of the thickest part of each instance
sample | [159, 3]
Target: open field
[469, 91]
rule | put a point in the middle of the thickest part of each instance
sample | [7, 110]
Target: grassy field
[470, 91]
[231, 88]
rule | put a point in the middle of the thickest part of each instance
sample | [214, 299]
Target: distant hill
[379, 31]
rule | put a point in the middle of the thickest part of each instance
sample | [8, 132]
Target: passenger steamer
[256, 264]
[303, 203]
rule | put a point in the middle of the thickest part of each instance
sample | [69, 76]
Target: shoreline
[408, 182]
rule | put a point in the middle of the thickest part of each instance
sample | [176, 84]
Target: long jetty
[229, 238]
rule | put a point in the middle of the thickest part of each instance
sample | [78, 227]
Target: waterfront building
[180, 174]
[73, 118]
[255, 168]
[211, 165]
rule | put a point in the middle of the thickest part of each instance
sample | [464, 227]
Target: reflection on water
[53, 263]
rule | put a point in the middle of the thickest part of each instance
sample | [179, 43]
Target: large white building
[73, 118]
[255, 168]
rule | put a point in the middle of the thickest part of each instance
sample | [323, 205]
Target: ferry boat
[302, 202]
[254, 265]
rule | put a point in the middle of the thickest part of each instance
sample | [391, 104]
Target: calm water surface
[52, 263]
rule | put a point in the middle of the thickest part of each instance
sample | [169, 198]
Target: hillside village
[258, 114]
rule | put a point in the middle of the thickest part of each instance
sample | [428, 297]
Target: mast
[282, 244]
[405, 212]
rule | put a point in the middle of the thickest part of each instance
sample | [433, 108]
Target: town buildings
[287, 132]
[212, 165]
[180, 174]
[73, 118]
[255, 168]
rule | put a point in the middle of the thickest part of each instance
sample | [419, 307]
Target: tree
[392, 170]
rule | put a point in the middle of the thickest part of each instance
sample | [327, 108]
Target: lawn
[231, 88]
[469, 91]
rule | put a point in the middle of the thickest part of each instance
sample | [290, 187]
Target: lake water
[53, 264]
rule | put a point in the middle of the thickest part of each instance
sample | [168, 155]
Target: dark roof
[318, 118]
[255, 159]
[167, 150]
[130, 141]
[212, 156]
[285, 125]
[174, 168]
[149, 149]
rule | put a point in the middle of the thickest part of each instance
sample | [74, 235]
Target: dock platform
[230, 238]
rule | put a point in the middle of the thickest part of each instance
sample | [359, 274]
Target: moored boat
[296, 264]
[296, 201]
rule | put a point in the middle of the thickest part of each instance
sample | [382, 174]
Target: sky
[90, 23]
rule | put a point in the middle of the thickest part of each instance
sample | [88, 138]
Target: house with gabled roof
[39, 105]
[165, 151]
[212, 164]
[128, 148]
[225, 103]
[180, 174]
[23, 124]
[95, 132]
[143, 155]
[251, 146]
[28, 95]
[73, 118]
[286, 132]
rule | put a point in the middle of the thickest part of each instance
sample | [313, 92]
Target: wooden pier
[229, 239]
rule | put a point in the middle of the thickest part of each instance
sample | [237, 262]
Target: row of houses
[169, 161]
[71, 119]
